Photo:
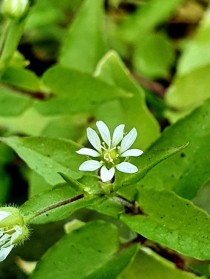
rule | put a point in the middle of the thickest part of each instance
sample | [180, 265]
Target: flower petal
[128, 140]
[4, 252]
[94, 139]
[118, 134]
[132, 152]
[90, 165]
[107, 175]
[127, 167]
[88, 151]
[104, 131]
[4, 214]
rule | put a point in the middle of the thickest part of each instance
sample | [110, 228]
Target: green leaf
[76, 92]
[187, 171]
[84, 253]
[48, 156]
[173, 222]
[150, 266]
[84, 44]
[13, 103]
[133, 110]
[154, 56]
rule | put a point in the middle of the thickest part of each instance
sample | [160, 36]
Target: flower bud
[12, 230]
[14, 8]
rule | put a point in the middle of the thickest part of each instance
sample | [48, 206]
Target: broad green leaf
[84, 253]
[133, 110]
[12, 102]
[84, 44]
[173, 222]
[22, 79]
[150, 266]
[76, 92]
[53, 205]
[48, 156]
[187, 171]
[147, 17]
[154, 56]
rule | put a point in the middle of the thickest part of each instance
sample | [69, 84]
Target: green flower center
[110, 155]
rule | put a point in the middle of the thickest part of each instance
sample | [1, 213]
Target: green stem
[28, 218]
[11, 41]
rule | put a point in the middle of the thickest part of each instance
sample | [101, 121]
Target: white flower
[9, 234]
[109, 151]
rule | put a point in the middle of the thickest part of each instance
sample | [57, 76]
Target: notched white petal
[94, 139]
[88, 151]
[4, 214]
[128, 140]
[104, 131]
[132, 152]
[118, 134]
[107, 175]
[127, 167]
[4, 252]
[90, 165]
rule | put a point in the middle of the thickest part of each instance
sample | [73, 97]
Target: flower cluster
[12, 230]
[110, 151]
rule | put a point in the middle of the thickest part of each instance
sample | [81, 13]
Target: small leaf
[173, 222]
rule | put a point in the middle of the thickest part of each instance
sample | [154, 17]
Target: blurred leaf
[188, 171]
[13, 103]
[29, 123]
[147, 17]
[84, 256]
[154, 56]
[151, 265]
[193, 56]
[173, 222]
[190, 90]
[134, 111]
[84, 44]
[48, 156]
[44, 12]
[22, 79]
[76, 92]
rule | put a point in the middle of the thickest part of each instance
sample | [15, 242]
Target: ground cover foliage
[65, 66]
